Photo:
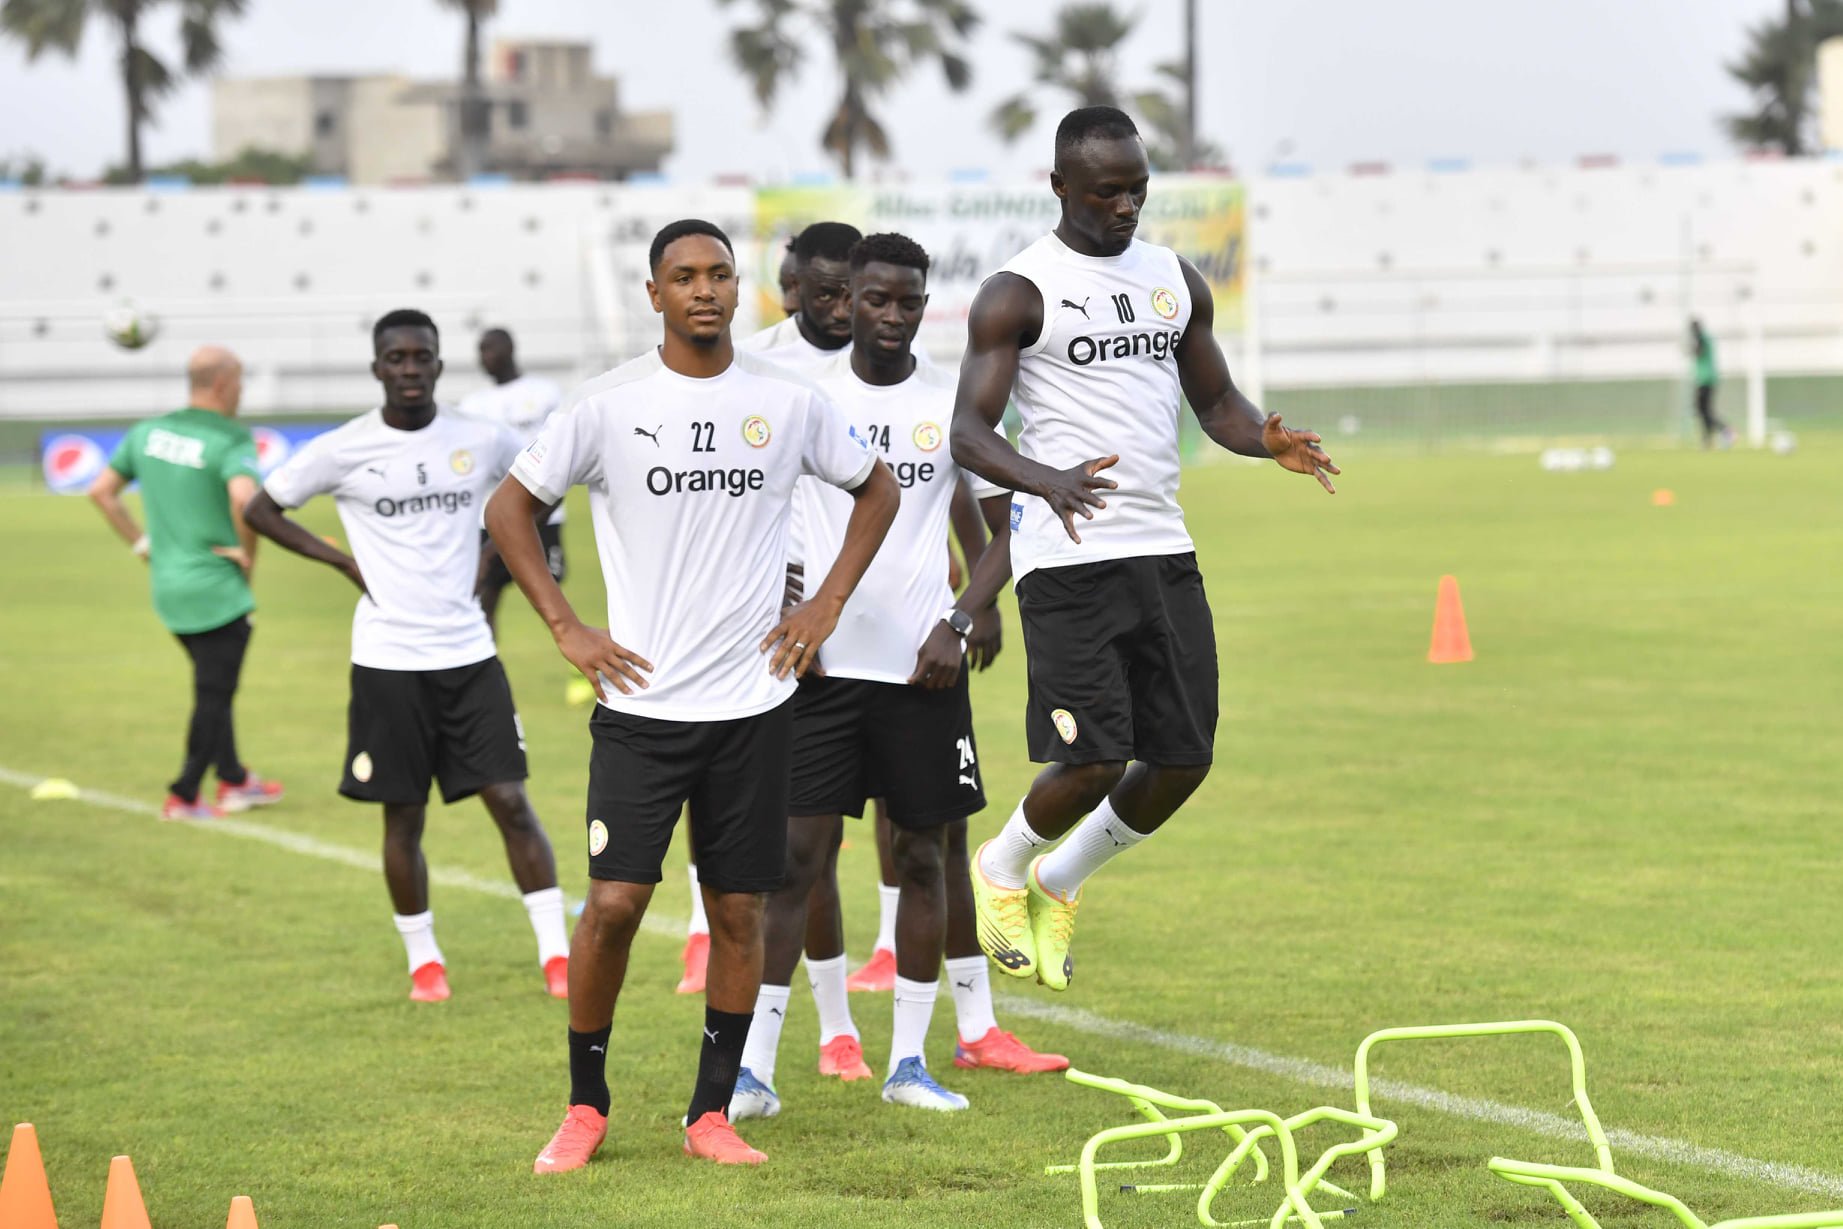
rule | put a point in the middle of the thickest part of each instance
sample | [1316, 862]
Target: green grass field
[1621, 815]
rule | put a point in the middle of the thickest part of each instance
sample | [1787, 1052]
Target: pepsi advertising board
[70, 460]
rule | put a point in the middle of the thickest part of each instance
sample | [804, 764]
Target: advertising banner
[70, 460]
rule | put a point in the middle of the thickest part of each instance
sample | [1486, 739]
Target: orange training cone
[242, 1214]
[1451, 642]
[121, 1203]
[25, 1196]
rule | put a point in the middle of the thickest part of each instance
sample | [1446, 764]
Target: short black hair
[791, 241]
[889, 248]
[671, 232]
[826, 241]
[402, 318]
[498, 334]
[1092, 123]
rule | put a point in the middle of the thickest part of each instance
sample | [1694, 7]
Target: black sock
[589, 1069]
[718, 1061]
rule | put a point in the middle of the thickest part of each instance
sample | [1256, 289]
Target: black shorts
[642, 772]
[1122, 660]
[404, 727]
[551, 536]
[854, 740]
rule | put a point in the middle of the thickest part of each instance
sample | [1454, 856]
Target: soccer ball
[128, 326]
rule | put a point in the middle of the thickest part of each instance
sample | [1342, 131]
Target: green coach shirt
[183, 461]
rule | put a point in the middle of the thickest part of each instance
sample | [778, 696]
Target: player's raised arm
[1007, 314]
[1225, 414]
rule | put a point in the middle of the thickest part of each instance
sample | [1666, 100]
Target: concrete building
[547, 114]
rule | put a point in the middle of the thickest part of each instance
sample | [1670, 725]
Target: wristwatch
[959, 620]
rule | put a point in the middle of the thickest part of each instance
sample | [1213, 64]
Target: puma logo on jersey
[969, 782]
[1081, 307]
[375, 469]
[651, 435]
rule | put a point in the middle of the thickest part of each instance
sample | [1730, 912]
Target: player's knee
[1184, 777]
[920, 856]
[613, 910]
[1093, 782]
[403, 823]
[811, 844]
[510, 806]
[736, 916]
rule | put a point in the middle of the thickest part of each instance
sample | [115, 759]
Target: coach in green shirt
[197, 470]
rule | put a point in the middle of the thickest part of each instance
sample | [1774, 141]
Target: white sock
[1095, 839]
[1005, 859]
[418, 931]
[831, 997]
[972, 996]
[914, 1008]
[764, 1043]
[700, 925]
[887, 896]
[545, 908]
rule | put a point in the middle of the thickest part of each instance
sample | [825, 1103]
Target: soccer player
[690, 453]
[429, 697]
[1702, 352]
[197, 470]
[1099, 337]
[892, 712]
[520, 403]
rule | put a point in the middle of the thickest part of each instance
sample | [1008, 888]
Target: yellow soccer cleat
[1052, 928]
[1001, 916]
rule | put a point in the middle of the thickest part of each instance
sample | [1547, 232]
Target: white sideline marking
[1299, 1070]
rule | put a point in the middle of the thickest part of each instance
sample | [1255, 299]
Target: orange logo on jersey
[928, 436]
[461, 462]
[755, 431]
[1164, 303]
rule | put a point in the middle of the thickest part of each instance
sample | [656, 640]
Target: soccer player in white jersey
[520, 403]
[892, 713]
[429, 697]
[816, 332]
[690, 453]
[1098, 338]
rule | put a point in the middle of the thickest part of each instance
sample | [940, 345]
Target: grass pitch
[1621, 816]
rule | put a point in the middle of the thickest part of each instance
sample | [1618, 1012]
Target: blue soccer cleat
[752, 1098]
[912, 1085]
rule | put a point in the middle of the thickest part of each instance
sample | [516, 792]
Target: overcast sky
[1327, 82]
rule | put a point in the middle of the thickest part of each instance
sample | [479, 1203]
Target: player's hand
[795, 640]
[938, 661]
[1298, 451]
[603, 662]
[349, 566]
[1074, 490]
[236, 554]
[986, 638]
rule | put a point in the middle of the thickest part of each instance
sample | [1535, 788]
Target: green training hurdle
[1555, 1177]
[1151, 1104]
[1378, 1180]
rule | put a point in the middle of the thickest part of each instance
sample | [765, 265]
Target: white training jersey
[690, 482]
[521, 406]
[785, 344]
[1102, 379]
[410, 502]
[904, 591]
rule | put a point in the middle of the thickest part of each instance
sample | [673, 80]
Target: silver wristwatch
[959, 620]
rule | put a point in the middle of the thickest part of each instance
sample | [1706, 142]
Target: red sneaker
[557, 977]
[1002, 1051]
[843, 1056]
[697, 955]
[429, 983]
[574, 1143]
[176, 807]
[713, 1138]
[878, 974]
[254, 792]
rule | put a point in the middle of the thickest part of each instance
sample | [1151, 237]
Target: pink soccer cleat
[254, 792]
[697, 956]
[429, 983]
[1002, 1051]
[557, 977]
[574, 1143]
[878, 974]
[843, 1056]
[714, 1139]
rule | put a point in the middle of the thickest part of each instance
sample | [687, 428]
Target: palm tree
[470, 154]
[1080, 57]
[1778, 69]
[59, 24]
[874, 43]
